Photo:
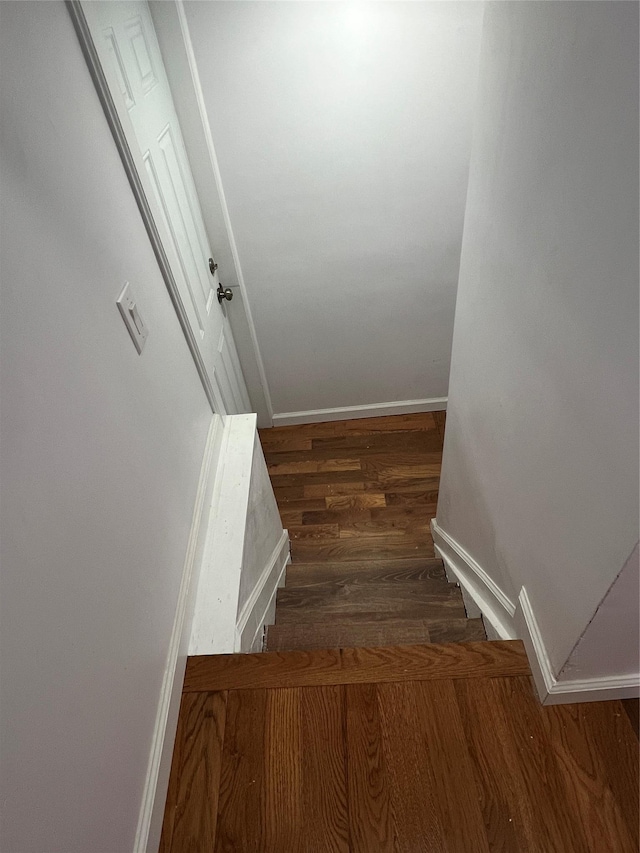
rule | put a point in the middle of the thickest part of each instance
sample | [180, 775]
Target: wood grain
[371, 818]
[326, 808]
[413, 498]
[366, 748]
[632, 710]
[323, 600]
[407, 755]
[463, 764]
[191, 807]
[314, 531]
[305, 466]
[448, 630]
[440, 419]
[425, 441]
[291, 516]
[323, 490]
[547, 827]
[588, 741]
[333, 634]
[275, 444]
[355, 666]
[355, 501]
[240, 823]
[366, 571]
[283, 804]
[362, 548]
[501, 783]
[449, 767]
[317, 478]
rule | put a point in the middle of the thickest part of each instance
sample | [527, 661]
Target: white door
[126, 42]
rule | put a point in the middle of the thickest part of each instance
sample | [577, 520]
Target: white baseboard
[554, 692]
[147, 839]
[258, 610]
[496, 607]
[347, 413]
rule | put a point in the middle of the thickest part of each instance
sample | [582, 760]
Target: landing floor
[431, 748]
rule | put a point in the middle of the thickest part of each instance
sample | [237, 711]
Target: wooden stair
[369, 604]
[357, 498]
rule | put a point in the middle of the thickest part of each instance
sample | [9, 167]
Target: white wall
[343, 135]
[100, 457]
[264, 527]
[246, 549]
[540, 471]
[609, 646]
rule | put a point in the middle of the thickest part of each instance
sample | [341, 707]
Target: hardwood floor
[357, 498]
[430, 748]
[341, 739]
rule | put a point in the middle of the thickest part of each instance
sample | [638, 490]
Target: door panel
[125, 39]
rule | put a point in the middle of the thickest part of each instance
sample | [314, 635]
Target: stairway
[375, 603]
[357, 497]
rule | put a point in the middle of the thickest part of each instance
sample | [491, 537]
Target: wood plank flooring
[340, 739]
[395, 750]
[348, 666]
[357, 498]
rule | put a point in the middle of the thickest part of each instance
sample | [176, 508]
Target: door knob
[223, 293]
[213, 266]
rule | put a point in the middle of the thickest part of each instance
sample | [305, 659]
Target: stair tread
[304, 574]
[358, 549]
[356, 666]
[323, 635]
[412, 598]
[387, 630]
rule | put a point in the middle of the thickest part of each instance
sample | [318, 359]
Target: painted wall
[540, 469]
[343, 136]
[609, 646]
[264, 527]
[100, 456]
[246, 549]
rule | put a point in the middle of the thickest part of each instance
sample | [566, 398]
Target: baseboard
[147, 839]
[347, 413]
[256, 612]
[496, 607]
[554, 692]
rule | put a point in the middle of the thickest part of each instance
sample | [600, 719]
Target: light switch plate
[128, 306]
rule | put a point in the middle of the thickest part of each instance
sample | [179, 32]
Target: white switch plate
[128, 306]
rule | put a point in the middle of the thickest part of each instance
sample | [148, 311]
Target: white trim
[214, 620]
[255, 614]
[554, 692]
[346, 413]
[206, 127]
[149, 827]
[495, 606]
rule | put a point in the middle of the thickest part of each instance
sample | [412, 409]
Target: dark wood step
[410, 600]
[355, 666]
[366, 571]
[456, 630]
[340, 635]
[370, 548]
[372, 633]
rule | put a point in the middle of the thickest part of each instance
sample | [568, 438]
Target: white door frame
[172, 31]
[124, 139]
